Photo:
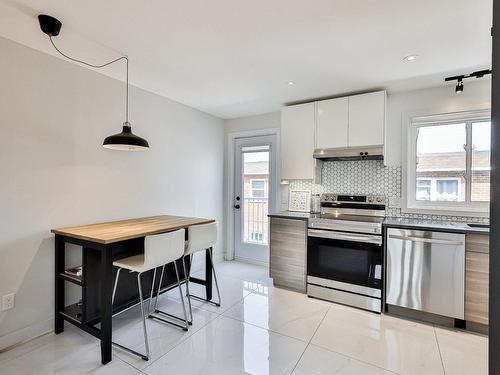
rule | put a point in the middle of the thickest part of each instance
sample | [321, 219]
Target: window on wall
[258, 188]
[448, 166]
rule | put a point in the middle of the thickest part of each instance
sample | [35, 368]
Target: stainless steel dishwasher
[426, 271]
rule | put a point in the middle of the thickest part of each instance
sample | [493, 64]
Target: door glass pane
[441, 163]
[481, 145]
[255, 196]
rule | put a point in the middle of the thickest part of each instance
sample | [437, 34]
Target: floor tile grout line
[342, 354]
[128, 364]
[183, 340]
[320, 323]
[354, 358]
[298, 360]
[266, 329]
[439, 349]
[309, 342]
[221, 315]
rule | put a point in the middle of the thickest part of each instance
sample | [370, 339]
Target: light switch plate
[8, 302]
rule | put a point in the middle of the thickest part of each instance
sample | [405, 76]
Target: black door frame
[494, 290]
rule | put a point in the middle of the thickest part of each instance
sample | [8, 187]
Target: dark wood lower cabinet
[287, 264]
[477, 261]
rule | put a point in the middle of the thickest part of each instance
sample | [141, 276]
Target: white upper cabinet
[367, 119]
[297, 141]
[352, 121]
[332, 123]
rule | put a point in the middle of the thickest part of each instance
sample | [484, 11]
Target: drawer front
[476, 287]
[288, 253]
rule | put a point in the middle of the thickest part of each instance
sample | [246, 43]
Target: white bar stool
[200, 238]
[159, 250]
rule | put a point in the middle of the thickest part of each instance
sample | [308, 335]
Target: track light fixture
[459, 88]
[124, 141]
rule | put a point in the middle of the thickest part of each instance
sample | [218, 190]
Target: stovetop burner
[350, 213]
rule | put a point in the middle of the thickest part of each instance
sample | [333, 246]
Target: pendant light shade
[125, 141]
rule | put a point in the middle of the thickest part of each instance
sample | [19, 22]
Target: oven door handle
[345, 236]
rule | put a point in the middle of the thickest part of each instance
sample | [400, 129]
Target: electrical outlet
[8, 302]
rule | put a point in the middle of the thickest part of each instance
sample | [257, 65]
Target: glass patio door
[254, 195]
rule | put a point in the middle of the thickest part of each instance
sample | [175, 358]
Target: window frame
[252, 189]
[410, 203]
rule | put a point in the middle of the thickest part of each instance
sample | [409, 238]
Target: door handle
[426, 240]
[237, 206]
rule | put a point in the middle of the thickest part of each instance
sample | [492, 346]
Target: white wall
[258, 122]
[54, 116]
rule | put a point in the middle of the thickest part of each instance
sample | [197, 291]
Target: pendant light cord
[98, 67]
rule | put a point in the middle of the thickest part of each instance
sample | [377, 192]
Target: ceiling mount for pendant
[124, 141]
[49, 25]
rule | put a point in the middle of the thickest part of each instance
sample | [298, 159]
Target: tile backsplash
[369, 177]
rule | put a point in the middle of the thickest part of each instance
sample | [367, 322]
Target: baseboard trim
[26, 334]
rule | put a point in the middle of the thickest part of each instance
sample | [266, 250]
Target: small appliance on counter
[344, 250]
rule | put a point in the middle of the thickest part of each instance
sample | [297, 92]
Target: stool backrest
[160, 249]
[201, 237]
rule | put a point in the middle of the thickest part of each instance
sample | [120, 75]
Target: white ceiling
[233, 58]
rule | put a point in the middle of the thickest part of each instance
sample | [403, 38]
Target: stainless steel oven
[344, 255]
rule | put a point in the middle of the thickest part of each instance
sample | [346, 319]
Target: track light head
[460, 87]
[49, 25]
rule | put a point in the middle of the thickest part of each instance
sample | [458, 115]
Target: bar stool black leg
[208, 275]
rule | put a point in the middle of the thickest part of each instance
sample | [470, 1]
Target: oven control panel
[348, 198]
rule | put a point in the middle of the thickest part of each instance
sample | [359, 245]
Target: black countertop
[293, 215]
[398, 222]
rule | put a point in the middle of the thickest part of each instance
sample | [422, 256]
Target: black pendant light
[124, 141]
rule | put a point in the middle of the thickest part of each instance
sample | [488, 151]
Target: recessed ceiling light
[410, 58]
[290, 83]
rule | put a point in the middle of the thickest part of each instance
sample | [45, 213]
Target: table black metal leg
[60, 246]
[208, 275]
[106, 304]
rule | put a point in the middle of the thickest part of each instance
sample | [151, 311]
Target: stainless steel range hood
[350, 153]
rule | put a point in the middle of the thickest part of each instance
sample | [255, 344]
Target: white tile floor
[260, 329]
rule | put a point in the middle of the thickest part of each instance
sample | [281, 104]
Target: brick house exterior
[441, 173]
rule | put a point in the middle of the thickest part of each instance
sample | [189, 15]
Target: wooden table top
[115, 231]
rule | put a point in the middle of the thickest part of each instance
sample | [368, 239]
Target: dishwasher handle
[426, 240]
